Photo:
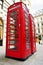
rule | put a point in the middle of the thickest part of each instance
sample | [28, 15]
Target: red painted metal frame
[21, 52]
[32, 35]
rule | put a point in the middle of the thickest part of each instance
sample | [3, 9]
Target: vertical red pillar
[32, 33]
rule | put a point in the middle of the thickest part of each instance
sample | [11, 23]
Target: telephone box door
[13, 34]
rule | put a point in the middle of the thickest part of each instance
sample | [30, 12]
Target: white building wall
[4, 17]
[39, 21]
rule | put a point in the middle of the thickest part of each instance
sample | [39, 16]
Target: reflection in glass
[13, 29]
[12, 47]
[12, 42]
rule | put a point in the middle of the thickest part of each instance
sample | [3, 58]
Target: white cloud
[36, 5]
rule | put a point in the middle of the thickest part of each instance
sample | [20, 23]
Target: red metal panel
[27, 51]
[17, 20]
[32, 34]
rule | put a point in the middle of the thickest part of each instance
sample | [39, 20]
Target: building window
[42, 24]
[39, 37]
[42, 37]
[41, 18]
[38, 25]
[38, 30]
[42, 30]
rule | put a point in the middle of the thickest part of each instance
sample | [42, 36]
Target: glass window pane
[12, 42]
[13, 34]
[12, 47]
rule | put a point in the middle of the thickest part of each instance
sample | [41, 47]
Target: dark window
[42, 24]
[39, 37]
[38, 30]
[41, 18]
[38, 25]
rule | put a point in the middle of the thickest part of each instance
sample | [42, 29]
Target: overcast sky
[36, 5]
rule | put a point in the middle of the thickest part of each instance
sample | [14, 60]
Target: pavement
[35, 59]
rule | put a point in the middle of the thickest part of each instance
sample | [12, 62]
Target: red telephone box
[32, 34]
[18, 32]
